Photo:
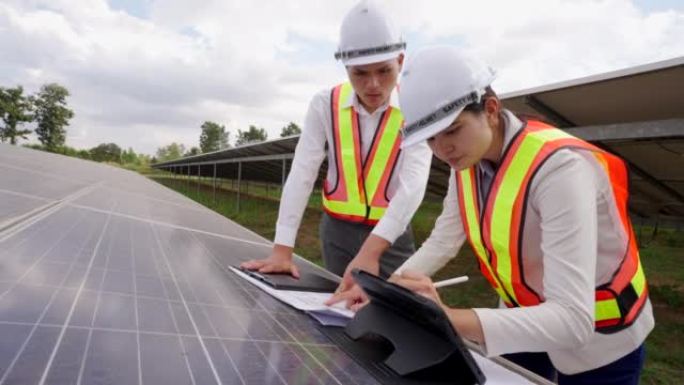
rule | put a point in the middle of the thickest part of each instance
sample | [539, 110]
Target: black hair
[478, 108]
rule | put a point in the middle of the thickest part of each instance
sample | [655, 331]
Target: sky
[146, 73]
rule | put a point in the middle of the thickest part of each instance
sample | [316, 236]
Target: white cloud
[143, 83]
[545, 41]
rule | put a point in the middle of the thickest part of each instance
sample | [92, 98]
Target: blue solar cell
[154, 315]
[26, 369]
[253, 365]
[58, 310]
[67, 362]
[13, 337]
[224, 365]
[84, 311]
[24, 303]
[118, 282]
[115, 311]
[162, 360]
[112, 358]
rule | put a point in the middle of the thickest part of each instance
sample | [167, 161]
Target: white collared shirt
[406, 187]
[572, 242]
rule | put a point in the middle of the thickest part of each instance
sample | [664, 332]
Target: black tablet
[405, 302]
[418, 328]
[306, 282]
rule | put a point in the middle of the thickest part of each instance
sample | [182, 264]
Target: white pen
[449, 282]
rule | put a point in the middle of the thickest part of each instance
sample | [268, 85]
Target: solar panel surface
[113, 279]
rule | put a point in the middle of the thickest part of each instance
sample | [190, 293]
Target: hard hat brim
[433, 129]
[371, 59]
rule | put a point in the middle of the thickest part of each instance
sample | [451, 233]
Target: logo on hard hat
[442, 112]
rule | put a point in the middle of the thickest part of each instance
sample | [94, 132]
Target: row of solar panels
[637, 113]
[107, 277]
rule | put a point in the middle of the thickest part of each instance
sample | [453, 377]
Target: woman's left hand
[418, 283]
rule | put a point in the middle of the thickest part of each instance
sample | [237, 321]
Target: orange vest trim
[359, 193]
[496, 233]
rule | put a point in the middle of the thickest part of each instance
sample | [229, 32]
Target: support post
[238, 185]
[213, 184]
[284, 177]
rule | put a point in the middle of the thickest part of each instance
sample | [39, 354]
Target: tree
[193, 151]
[144, 159]
[252, 135]
[83, 154]
[68, 151]
[106, 152]
[52, 115]
[129, 157]
[291, 129]
[170, 152]
[15, 110]
[214, 137]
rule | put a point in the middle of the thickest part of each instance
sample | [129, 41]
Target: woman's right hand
[279, 261]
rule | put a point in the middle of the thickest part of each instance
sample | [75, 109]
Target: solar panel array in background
[109, 278]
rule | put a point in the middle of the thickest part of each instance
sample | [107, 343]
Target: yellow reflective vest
[495, 231]
[359, 193]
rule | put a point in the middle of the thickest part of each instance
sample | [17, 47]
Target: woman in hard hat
[546, 215]
[372, 189]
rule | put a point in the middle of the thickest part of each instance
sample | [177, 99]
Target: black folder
[306, 282]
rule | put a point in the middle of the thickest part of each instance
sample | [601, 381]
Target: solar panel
[114, 279]
[109, 278]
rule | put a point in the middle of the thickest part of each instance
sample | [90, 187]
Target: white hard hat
[436, 85]
[368, 36]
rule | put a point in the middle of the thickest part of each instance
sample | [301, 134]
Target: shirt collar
[353, 101]
[511, 126]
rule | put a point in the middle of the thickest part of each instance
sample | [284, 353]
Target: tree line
[215, 137]
[49, 110]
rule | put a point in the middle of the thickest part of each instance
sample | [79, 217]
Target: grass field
[662, 257]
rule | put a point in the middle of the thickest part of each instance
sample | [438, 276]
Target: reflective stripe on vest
[496, 233]
[360, 191]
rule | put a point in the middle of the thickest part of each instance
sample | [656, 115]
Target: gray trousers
[341, 240]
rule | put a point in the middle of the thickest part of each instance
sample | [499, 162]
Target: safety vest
[496, 234]
[359, 193]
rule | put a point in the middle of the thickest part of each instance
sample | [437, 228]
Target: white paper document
[310, 302]
[326, 319]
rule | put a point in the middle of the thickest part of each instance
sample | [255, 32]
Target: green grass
[662, 257]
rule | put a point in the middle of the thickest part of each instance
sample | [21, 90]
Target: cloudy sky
[145, 73]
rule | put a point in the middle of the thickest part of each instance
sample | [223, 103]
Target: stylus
[449, 282]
